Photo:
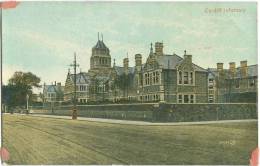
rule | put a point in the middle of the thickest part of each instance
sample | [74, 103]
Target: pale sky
[41, 37]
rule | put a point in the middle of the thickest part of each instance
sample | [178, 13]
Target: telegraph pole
[75, 65]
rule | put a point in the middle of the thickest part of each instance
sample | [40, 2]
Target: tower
[100, 58]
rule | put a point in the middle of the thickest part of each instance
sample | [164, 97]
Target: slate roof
[120, 70]
[53, 88]
[251, 71]
[81, 78]
[174, 60]
[100, 45]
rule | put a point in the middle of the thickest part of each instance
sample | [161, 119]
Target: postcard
[129, 83]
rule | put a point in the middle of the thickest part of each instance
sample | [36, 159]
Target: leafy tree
[19, 86]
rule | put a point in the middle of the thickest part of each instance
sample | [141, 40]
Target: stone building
[233, 85]
[161, 78]
[171, 78]
[122, 85]
[82, 87]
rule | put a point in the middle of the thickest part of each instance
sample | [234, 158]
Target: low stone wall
[159, 112]
[205, 112]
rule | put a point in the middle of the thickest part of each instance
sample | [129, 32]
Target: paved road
[130, 122]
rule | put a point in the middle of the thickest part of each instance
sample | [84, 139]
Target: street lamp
[27, 103]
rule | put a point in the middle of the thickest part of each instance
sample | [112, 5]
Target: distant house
[53, 93]
[236, 84]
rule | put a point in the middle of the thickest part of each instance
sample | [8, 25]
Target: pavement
[130, 122]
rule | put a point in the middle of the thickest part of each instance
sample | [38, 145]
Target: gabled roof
[171, 61]
[81, 78]
[53, 89]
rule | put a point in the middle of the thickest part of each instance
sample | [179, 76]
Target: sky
[42, 37]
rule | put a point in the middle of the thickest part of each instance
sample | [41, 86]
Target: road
[41, 140]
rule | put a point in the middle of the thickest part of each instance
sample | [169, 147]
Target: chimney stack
[219, 66]
[159, 48]
[243, 68]
[232, 69]
[187, 58]
[138, 61]
[126, 65]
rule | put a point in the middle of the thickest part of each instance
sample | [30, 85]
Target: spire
[98, 36]
[127, 54]
[151, 49]
[68, 70]
[184, 52]
[101, 36]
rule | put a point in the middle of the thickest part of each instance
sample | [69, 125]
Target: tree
[19, 85]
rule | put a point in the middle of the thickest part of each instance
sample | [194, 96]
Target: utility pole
[75, 65]
[27, 103]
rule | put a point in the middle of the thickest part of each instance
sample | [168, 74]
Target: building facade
[171, 78]
[161, 78]
[82, 87]
[233, 85]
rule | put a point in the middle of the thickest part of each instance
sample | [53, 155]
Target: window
[191, 77]
[185, 78]
[186, 98]
[180, 77]
[210, 87]
[191, 98]
[211, 91]
[211, 99]
[157, 77]
[154, 78]
[210, 80]
[252, 82]
[148, 79]
[179, 98]
[82, 88]
[237, 83]
[145, 77]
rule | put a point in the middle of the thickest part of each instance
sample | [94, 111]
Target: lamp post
[74, 111]
[27, 103]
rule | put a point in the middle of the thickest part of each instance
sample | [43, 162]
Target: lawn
[37, 140]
